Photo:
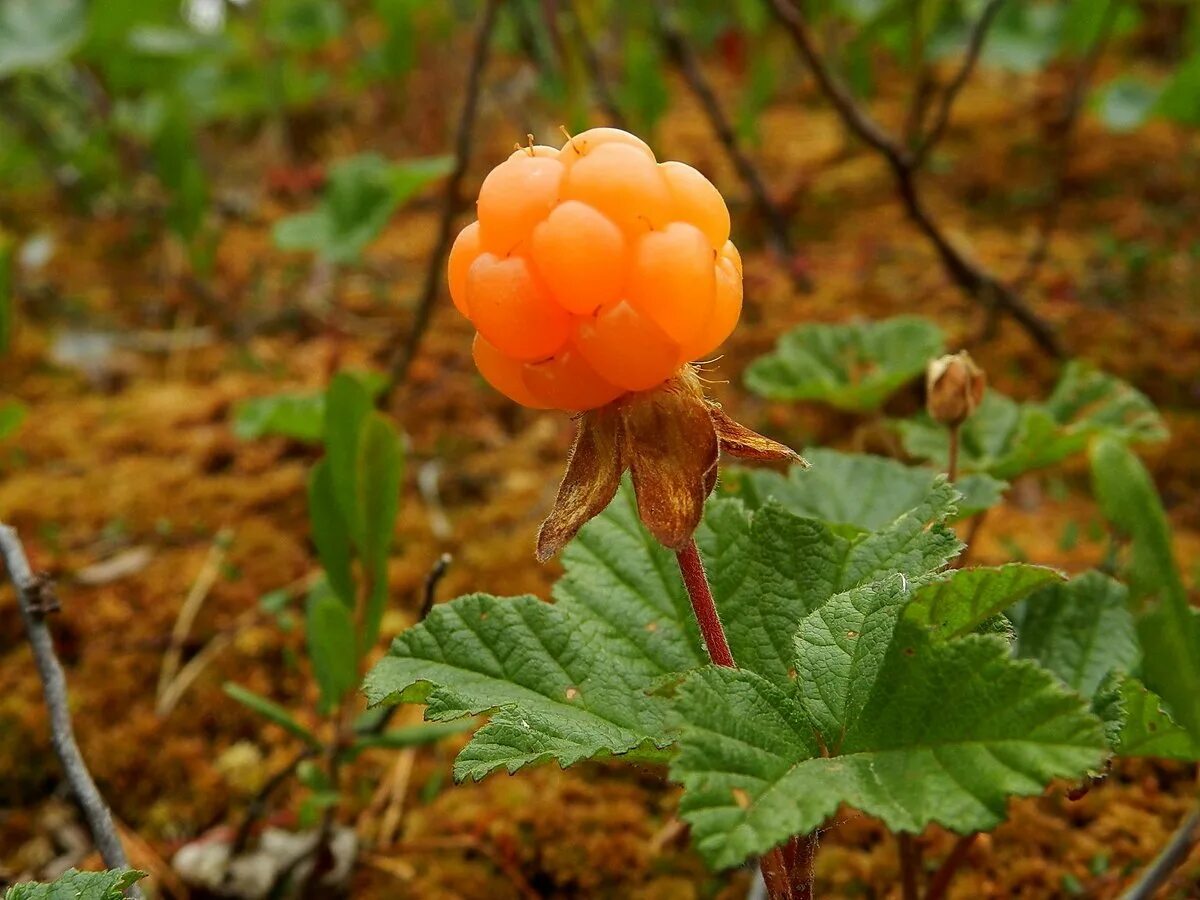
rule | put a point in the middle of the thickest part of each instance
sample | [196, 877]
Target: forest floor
[129, 485]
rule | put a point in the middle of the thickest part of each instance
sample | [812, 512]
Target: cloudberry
[594, 271]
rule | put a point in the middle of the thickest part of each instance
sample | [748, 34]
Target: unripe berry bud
[954, 387]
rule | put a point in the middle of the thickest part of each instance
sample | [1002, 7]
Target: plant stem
[952, 456]
[910, 857]
[691, 567]
[1171, 857]
[783, 881]
[35, 597]
[942, 877]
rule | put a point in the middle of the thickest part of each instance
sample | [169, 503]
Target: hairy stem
[952, 455]
[35, 596]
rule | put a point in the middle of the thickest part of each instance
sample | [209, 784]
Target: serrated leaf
[1006, 439]
[271, 711]
[380, 473]
[570, 680]
[1080, 630]
[855, 367]
[871, 490]
[935, 733]
[330, 534]
[332, 645]
[965, 599]
[1147, 729]
[76, 885]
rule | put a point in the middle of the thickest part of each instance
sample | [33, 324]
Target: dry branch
[451, 200]
[35, 597]
[969, 275]
[1172, 857]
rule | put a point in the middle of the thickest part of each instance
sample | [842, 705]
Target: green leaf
[331, 534]
[883, 720]
[347, 405]
[332, 645]
[407, 736]
[1124, 104]
[297, 416]
[853, 367]
[12, 414]
[1170, 642]
[380, 473]
[871, 490]
[361, 195]
[1148, 730]
[76, 885]
[7, 253]
[38, 34]
[570, 680]
[303, 24]
[963, 600]
[1005, 438]
[1180, 99]
[1080, 630]
[177, 163]
[270, 710]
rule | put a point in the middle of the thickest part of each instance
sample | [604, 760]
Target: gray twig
[36, 597]
[1171, 858]
[974, 280]
[681, 53]
[595, 70]
[451, 200]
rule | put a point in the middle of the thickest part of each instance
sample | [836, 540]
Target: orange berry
[622, 183]
[627, 348]
[730, 252]
[464, 252]
[513, 310]
[535, 150]
[672, 280]
[586, 141]
[504, 374]
[515, 196]
[568, 382]
[697, 201]
[727, 307]
[581, 256]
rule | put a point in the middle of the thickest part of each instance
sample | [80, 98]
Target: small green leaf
[852, 367]
[963, 600]
[297, 416]
[407, 736]
[1006, 439]
[1148, 730]
[330, 533]
[380, 474]
[12, 414]
[1080, 630]
[332, 645]
[38, 34]
[347, 405]
[871, 491]
[270, 710]
[76, 885]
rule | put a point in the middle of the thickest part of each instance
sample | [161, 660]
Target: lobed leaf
[76, 885]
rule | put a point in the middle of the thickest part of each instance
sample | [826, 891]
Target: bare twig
[35, 595]
[1172, 856]
[1064, 129]
[971, 278]
[432, 580]
[681, 53]
[451, 200]
[258, 805]
[910, 863]
[940, 882]
[941, 117]
[595, 71]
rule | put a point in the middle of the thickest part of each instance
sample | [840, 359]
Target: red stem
[705, 610]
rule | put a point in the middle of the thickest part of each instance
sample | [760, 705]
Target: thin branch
[910, 863]
[436, 573]
[684, 57]
[258, 806]
[595, 71]
[451, 200]
[971, 278]
[940, 882]
[36, 597]
[1064, 128]
[1171, 858]
[974, 48]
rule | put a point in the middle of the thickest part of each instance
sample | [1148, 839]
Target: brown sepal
[593, 475]
[738, 440]
[672, 448]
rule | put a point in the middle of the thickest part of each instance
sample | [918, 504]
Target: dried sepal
[672, 448]
[738, 440]
[593, 475]
[954, 387]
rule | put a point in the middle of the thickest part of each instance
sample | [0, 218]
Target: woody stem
[786, 871]
[691, 567]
